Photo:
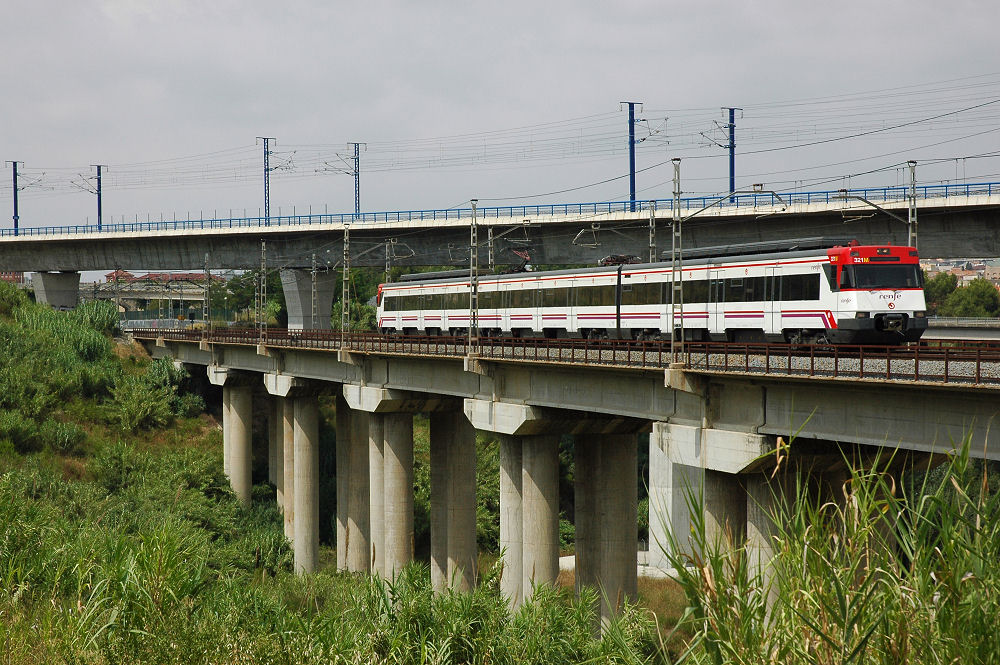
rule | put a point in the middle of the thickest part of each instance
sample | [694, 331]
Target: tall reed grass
[886, 572]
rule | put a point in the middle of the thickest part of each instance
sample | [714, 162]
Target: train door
[772, 304]
[716, 305]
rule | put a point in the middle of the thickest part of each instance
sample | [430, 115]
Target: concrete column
[439, 440]
[762, 500]
[358, 517]
[288, 464]
[512, 581]
[463, 551]
[306, 465]
[241, 455]
[619, 528]
[376, 514]
[585, 500]
[343, 477]
[59, 289]
[398, 484]
[227, 420]
[278, 431]
[672, 486]
[298, 289]
[540, 506]
[272, 442]
[454, 555]
[725, 502]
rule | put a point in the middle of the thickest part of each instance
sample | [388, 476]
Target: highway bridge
[716, 416]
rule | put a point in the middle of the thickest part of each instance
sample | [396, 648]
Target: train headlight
[862, 315]
[919, 315]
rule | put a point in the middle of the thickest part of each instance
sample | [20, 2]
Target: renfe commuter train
[806, 291]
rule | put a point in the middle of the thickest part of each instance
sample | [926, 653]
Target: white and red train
[799, 292]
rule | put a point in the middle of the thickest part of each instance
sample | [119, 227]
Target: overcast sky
[136, 85]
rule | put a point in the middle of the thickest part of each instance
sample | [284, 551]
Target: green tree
[937, 290]
[979, 299]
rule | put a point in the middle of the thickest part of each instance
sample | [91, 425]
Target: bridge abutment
[58, 289]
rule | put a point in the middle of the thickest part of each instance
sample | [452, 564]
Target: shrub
[139, 405]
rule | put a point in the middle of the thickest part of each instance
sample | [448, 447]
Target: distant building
[12, 277]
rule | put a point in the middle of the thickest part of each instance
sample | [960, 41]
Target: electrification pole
[267, 177]
[345, 312]
[99, 200]
[631, 154]
[652, 231]
[912, 208]
[14, 165]
[357, 177]
[473, 279]
[206, 307]
[676, 273]
[732, 147]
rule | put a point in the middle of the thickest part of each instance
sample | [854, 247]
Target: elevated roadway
[953, 221]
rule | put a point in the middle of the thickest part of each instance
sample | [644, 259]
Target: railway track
[965, 363]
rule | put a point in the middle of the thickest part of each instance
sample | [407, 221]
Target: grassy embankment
[121, 542]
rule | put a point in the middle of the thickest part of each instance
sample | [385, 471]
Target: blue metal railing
[749, 200]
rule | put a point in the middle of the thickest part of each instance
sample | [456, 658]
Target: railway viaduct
[712, 430]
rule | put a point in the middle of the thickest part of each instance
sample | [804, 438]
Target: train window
[627, 294]
[800, 287]
[487, 299]
[830, 270]
[734, 291]
[595, 296]
[522, 298]
[695, 290]
[555, 297]
[846, 277]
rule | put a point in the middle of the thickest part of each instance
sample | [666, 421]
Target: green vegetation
[882, 574]
[120, 541]
[979, 299]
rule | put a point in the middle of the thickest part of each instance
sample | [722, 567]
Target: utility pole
[473, 280]
[99, 200]
[676, 273]
[312, 274]
[489, 231]
[206, 307]
[912, 208]
[267, 177]
[357, 177]
[262, 291]
[14, 165]
[652, 231]
[631, 154]
[345, 312]
[732, 146]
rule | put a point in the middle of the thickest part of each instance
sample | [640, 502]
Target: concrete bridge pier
[237, 428]
[288, 465]
[454, 553]
[606, 497]
[353, 489]
[308, 297]
[300, 466]
[529, 514]
[376, 490]
[59, 289]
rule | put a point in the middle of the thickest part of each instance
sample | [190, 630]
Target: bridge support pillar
[606, 506]
[358, 534]
[240, 448]
[288, 465]
[305, 293]
[376, 485]
[227, 437]
[398, 484]
[540, 511]
[511, 525]
[306, 485]
[453, 501]
[343, 453]
[58, 289]
[273, 429]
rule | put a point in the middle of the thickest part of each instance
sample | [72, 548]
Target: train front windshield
[870, 276]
